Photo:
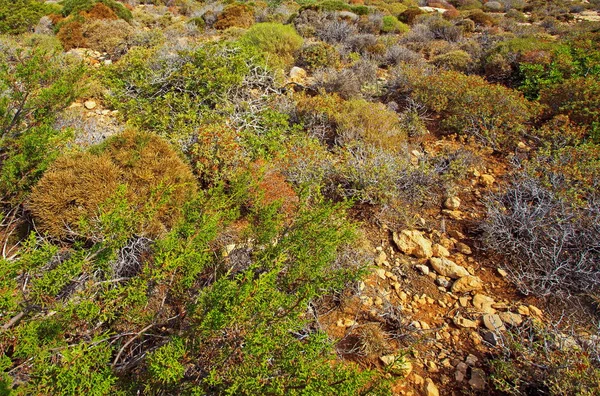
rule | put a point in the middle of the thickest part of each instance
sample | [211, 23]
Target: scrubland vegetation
[186, 187]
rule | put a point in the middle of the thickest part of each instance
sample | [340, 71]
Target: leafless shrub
[130, 257]
[88, 130]
[348, 83]
[335, 31]
[551, 247]
[413, 118]
[361, 43]
[419, 33]
[397, 54]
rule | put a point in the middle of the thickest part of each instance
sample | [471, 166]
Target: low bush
[470, 105]
[74, 7]
[279, 42]
[19, 16]
[391, 24]
[69, 198]
[458, 60]
[235, 15]
[317, 55]
[550, 246]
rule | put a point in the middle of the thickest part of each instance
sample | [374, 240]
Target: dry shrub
[71, 35]
[110, 36]
[271, 187]
[237, 15]
[99, 11]
[72, 189]
[157, 181]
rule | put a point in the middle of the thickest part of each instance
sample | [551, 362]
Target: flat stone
[490, 337]
[484, 303]
[430, 388]
[463, 322]
[467, 284]
[89, 104]
[440, 251]
[463, 248]
[477, 380]
[502, 272]
[510, 318]
[452, 203]
[493, 322]
[448, 268]
[423, 268]
[413, 243]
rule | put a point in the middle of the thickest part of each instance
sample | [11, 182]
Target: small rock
[462, 367]
[535, 311]
[467, 284]
[487, 180]
[448, 268]
[380, 273]
[484, 303]
[490, 337]
[463, 248]
[452, 203]
[90, 104]
[423, 268]
[511, 319]
[430, 388]
[462, 322]
[453, 214]
[446, 243]
[442, 282]
[298, 75]
[493, 322]
[440, 251]
[456, 234]
[502, 272]
[464, 301]
[477, 380]
[471, 360]
[388, 360]
[523, 310]
[381, 258]
[413, 243]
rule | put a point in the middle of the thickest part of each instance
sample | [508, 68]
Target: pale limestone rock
[413, 243]
[467, 284]
[448, 268]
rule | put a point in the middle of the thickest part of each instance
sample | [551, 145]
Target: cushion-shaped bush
[69, 198]
[317, 55]
[236, 15]
[279, 41]
[391, 24]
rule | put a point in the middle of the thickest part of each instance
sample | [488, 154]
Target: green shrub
[391, 24]
[74, 7]
[278, 42]
[470, 105]
[317, 55]
[458, 60]
[19, 16]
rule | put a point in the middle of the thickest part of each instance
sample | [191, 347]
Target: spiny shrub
[279, 42]
[550, 247]
[235, 15]
[468, 104]
[74, 7]
[458, 60]
[75, 188]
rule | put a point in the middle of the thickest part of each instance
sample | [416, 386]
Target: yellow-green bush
[69, 198]
[279, 42]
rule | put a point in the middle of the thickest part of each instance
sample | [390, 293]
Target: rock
[456, 234]
[388, 360]
[448, 268]
[484, 303]
[298, 75]
[453, 214]
[380, 273]
[471, 360]
[490, 337]
[462, 322]
[348, 15]
[510, 318]
[462, 367]
[535, 311]
[381, 258]
[477, 380]
[430, 388]
[502, 272]
[440, 251]
[493, 322]
[463, 301]
[463, 248]
[493, 6]
[413, 243]
[467, 284]
[90, 104]
[442, 282]
[423, 268]
[446, 243]
[452, 203]
[487, 180]
[523, 310]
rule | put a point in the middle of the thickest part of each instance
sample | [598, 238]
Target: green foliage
[278, 42]
[317, 55]
[391, 24]
[36, 85]
[458, 60]
[164, 364]
[73, 7]
[469, 105]
[19, 16]
[172, 95]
